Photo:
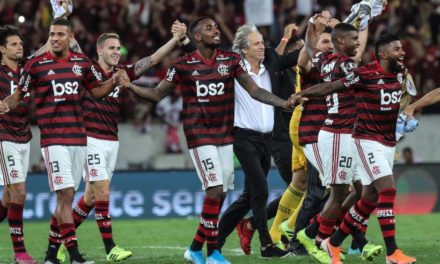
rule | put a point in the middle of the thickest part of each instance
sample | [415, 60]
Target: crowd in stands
[144, 25]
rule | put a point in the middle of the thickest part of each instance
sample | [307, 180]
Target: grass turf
[164, 241]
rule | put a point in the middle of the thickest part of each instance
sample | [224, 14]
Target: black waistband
[251, 132]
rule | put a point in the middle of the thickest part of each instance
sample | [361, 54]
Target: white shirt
[250, 113]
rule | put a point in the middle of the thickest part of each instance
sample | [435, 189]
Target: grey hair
[241, 37]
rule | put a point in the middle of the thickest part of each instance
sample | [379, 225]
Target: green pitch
[164, 241]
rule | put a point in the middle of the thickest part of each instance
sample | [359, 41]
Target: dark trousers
[281, 151]
[253, 151]
[314, 200]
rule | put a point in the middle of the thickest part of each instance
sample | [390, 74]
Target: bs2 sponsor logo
[60, 89]
[390, 98]
[211, 89]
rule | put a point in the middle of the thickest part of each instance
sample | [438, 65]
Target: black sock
[109, 244]
[52, 250]
[74, 253]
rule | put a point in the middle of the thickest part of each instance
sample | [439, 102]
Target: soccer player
[335, 134]
[378, 90]
[58, 78]
[15, 135]
[206, 78]
[304, 128]
[100, 118]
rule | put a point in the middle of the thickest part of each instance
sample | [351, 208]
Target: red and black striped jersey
[341, 113]
[14, 126]
[314, 111]
[101, 115]
[378, 95]
[207, 88]
[59, 85]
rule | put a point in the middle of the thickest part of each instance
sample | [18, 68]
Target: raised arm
[288, 31]
[144, 64]
[11, 102]
[153, 94]
[315, 27]
[304, 63]
[428, 99]
[363, 37]
[260, 94]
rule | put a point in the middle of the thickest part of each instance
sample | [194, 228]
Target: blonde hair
[104, 37]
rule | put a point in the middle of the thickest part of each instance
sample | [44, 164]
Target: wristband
[184, 40]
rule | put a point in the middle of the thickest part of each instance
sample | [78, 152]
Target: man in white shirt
[254, 123]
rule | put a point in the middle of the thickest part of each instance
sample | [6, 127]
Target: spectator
[408, 156]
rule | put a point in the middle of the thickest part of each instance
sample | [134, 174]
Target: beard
[395, 66]
[58, 53]
[212, 45]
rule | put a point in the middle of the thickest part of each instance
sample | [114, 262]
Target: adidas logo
[50, 72]
[380, 81]
[195, 73]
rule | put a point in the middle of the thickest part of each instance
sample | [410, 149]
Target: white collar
[248, 67]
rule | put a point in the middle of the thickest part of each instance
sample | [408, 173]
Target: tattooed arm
[11, 102]
[144, 64]
[260, 94]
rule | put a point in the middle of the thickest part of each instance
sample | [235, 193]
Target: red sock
[326, 227]
[3, 211]
[357, 216]
[385, 215]
[104, 223]
[54, 238]
[81, 212]
[15, 219]
[355, 220]
[209, 218]
[68, 235]
[199, 237]
[54, 233]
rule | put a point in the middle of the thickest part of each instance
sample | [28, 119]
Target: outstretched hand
[293, 101]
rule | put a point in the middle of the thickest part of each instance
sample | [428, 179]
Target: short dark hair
[383, 40]
[62, 22]
[195, 24]
[6, 32]
[103, 37]
[341, 29]
[328, 30]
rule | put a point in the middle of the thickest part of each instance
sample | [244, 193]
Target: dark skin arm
[323, 89]
[153, 94]
[260, 94]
